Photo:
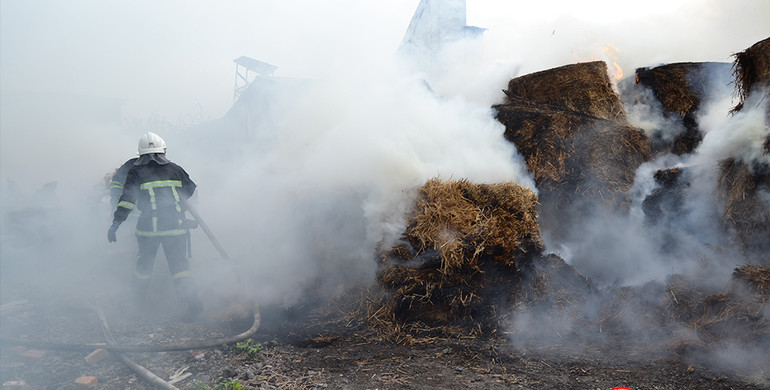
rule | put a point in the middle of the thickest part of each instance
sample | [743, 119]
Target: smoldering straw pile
[471, 261]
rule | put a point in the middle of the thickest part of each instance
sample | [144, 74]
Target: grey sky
[174, 57]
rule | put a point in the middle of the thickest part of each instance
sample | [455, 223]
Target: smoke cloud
[301, 204]
[331, 180]
[634, 254]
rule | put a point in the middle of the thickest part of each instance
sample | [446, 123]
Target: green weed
[226, 385]
[251, 348]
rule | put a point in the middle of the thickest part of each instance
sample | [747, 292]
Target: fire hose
[184, 346]
[210, 235]
[206, 229]
[119, 349]
[140, 370]
[158, 347]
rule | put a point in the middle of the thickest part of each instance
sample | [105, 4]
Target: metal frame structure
[244, 67]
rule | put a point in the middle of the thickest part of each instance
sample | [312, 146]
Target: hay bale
[727, 316]
[464, 222]
[751, 69]
[738, 313]
[756, 277]
[681, 88]
[665, 208]
[717, 315]
[548, 283]
[584, 88]
[667, 200]
[570, 127]
[462, 242]
[562, 148]
[574, 157]
[735, 314]
[744, 194]
[681, 300]
[744, 188]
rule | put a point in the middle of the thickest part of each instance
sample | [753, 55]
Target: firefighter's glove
[111, 233]
[189, 224]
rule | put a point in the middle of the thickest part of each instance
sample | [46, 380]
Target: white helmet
[151, 143]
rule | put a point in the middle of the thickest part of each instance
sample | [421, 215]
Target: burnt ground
[308, 351]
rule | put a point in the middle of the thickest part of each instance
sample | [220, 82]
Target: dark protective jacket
[118, 180]
[156, 187]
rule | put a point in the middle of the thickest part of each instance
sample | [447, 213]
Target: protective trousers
[174, 247]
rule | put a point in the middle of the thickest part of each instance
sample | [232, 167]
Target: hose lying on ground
[184, 346]
[138, 369]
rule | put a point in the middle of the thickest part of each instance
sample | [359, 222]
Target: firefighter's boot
[139, 287]
[186, 294]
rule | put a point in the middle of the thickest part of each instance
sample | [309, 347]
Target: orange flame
[612, 52]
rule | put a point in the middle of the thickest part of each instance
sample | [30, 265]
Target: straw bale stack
[738, 313]
[584, 88]
[693, 316]
[570, 127]
[638, 304]
[573, 158]
[463, 243]
[667, 200]
[562, 149]
[744, 187]
[685, 314]
[752, 71]
[548, 283]
[755, 277]
[681, 88]
[745, 194]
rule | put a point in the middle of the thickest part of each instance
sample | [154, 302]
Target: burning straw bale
[465, 222]
[631, 312]
[666, 201]
[570, 127]
[681, 300]
[744, 191]
[681, 88]
[576, 155]
[727, 316]
[688, 315]
[462, 243]
[744, 187]
[549, 283]
[584, 88]
[738, 313]
[755, 277]
[752, 71]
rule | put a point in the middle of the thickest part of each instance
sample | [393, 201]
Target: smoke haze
[301, 204]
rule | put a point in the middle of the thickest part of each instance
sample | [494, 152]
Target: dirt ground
[300, 351]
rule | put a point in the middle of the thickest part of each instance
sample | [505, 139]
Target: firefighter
[156, 186]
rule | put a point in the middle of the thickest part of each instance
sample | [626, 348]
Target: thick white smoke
[640, 254]
[740, 136]
[329, 178]
[301, 207]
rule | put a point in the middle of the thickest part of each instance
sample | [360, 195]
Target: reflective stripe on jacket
[118, 179]
[156, 190]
